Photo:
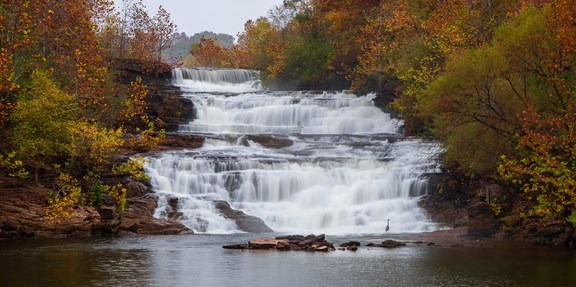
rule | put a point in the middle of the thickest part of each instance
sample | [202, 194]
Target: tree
[44, 119]
[163, 29]
[306, 61]
[545, 159]
[262, 47]
[208, 53]
[545, 164]
[476, 101]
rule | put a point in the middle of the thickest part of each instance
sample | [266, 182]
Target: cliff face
[163, 100]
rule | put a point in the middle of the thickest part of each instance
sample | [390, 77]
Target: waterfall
[217, 80]
[346, 171]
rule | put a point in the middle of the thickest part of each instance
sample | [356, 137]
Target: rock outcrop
[270, 141]
[174, 141]
[310, 243]
[137, 217]
[163, 100]
[23, 207]
[245, 222]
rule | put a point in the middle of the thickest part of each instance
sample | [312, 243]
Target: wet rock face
[181, 141]
[245, 222]
[163, 99]
[137, 217]
[270, 141]
[164, 102]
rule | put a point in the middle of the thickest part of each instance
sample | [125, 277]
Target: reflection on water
[199, 260]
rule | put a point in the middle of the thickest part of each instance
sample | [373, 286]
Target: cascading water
[217, 80]
[346, 171]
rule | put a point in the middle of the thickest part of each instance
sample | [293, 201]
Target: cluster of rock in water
[310, 243]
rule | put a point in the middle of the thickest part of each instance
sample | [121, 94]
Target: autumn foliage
[494, 81]
[61, 109]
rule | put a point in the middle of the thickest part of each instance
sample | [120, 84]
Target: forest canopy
[493, 81]
[63, 110]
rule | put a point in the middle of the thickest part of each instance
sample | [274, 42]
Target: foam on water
[216, 80]
[347, 172]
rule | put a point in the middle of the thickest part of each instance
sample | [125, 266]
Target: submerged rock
[350, 243]
[387, 244]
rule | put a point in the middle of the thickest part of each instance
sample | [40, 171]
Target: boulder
[127, 224]
[292, 238]
[270, 141]
[245, 222]
[236, 246]
[391, 244]
[160, 227]
[352, 248]
[266, 243]
[136, 189]
[481, 220]
[350, 243]
[107, 213]
[311, 243]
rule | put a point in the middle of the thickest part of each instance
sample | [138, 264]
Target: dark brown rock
[270, 141]
[236, 246]
[352, 248]
[107, 213]
[136, 189]
[172, 141]
[481, 220]
[310, 243]
[127, 224]
[268, 243]
[392, 244]
[246, 223]
[292, 238]
[161, 227]
[350, 243]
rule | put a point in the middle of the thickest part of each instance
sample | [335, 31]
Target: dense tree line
[62, 112]
[494, 81]
[182, 50]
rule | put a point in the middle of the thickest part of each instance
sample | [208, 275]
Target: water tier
[346, 172]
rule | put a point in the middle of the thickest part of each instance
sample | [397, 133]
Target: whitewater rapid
[347, 170]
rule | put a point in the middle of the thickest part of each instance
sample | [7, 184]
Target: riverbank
[23, 206]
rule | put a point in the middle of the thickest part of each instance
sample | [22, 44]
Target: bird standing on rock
[388, 225]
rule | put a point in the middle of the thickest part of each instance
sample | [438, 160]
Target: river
[344, 170]
[199, 260]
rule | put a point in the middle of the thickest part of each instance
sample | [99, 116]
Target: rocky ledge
[309, 243]
[23, 207]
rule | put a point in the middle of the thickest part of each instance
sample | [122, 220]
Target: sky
[219, 16]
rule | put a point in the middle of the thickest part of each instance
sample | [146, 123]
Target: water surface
[199, 260]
